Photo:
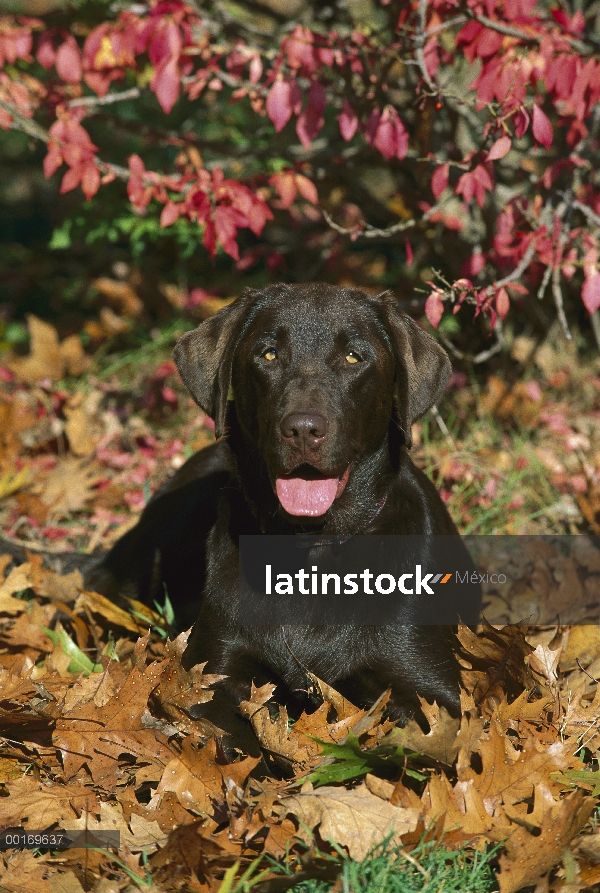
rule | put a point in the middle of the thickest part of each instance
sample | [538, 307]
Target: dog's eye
[270, 354]
[352, 357]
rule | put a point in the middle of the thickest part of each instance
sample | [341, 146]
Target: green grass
[428, 869]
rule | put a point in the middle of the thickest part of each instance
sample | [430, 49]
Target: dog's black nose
[304, 429]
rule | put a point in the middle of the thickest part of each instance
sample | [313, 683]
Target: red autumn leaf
[285, 184]
[521, 122]
[226, 230]
[474, 184]
[209, 238]
[170, 213]
[68, 61]
[502, 302]
[500, 148]
[46, 54]
[256, 69]
[165, 84]
[53, 159]
[90, 180]
[387, 133]
[300, 50]
[164, 52]
[348, 121]
[439, 181]
[590, 293]
[542, 128]
[279, 104]
[434, 309]
[306, 188]
[311, 120]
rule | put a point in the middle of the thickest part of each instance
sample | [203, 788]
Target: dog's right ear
[205, 355]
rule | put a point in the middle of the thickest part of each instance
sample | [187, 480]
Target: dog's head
[317, 373]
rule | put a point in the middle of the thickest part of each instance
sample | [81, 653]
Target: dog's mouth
[307, 492]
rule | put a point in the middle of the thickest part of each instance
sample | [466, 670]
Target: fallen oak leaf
[35, 805]
[527, 858]
[198, 779]
[18, 580]
[356, 819]
[138, 834]
[48, 357]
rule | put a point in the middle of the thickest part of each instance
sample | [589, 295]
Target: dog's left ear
[205, 355]
[423, 368]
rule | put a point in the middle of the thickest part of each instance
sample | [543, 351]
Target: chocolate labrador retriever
[313, 390]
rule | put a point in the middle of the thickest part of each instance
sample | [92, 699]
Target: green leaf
[582, 775]
[352, 762]
[79, 662]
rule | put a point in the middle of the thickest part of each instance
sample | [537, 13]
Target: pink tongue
[300, 497]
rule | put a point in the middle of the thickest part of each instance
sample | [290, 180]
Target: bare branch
[483, 355]
[587, 212]
[419, 46]
[517, 272]
[578, 45]
[372, 232]
[457, 20]
[91, 102]
[31, 128]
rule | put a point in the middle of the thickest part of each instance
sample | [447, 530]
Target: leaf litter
[99, 729]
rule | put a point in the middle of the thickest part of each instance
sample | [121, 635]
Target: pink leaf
[439, 181]
[502, 303]
[279, 105]
[500, 148]
[521, 122]
[165, 84]
[90, 181]
[348, 121]
[285, 184]
[434, 309]
[307, 188]
[590, 293]
[170, 213]
[68, 61]
[409, 252]
[542, 128]
[311, 120]
[255, 69]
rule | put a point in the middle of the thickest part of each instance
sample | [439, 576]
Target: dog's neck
[359, 506]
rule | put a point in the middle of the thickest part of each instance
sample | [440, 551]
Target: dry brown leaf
[583, 645]
[440, 743]
[138, 834]
[528, 858]
[198, 779]
[99, 604]
[69, 486]
[356, 819]
[96, 734]
[23, 871]
[35, 805]
[496, 663]
[18, 579]
[120, 294]
[179, 689]
[48, 358]
[80, 431]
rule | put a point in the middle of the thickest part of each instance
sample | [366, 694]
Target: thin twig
[91, 102]
[443, 427]
[372, 232]
[419, 45]
[483, 355]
